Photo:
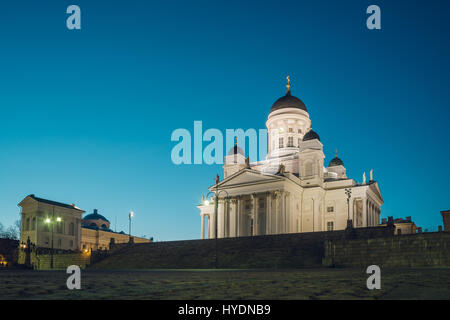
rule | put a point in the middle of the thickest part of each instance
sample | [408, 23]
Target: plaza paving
[428, 283]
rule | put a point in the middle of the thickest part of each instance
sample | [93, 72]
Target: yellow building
[96, 233]
[402, 226]
[51, 224]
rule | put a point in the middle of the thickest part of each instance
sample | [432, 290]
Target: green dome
[311, 135]
[336, 162]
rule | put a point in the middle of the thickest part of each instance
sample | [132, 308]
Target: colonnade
[249, 215]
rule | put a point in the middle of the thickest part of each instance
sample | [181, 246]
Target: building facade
[44, 221]
[291, 191]
[96, 233]
[402, 226]
[51, 224]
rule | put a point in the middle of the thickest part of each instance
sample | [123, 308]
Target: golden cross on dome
[235, 141]
[335, 153]
[288, 85]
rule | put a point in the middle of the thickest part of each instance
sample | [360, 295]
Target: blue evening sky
[86, 116]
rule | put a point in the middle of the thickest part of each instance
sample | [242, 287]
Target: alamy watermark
[374, 281]
[74, 280]
[190, 148]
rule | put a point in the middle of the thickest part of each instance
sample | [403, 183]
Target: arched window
[280, 143]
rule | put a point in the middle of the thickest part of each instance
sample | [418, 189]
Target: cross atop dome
[288, 86]
[288, 100]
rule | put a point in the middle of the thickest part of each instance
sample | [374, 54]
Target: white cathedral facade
[291, 191]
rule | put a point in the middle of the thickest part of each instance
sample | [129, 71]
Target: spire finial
[235, 141]
[335, 153]
[288, 85]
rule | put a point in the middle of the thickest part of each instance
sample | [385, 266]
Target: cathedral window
[280, 143]
[299, 141]
[33, 226]
[299, 131]
[290, 141]
[291, 130]
[330, 209]
[330, 226]
[27, 227]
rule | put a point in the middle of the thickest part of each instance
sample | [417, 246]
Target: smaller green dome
[336, 162]
[311, 135]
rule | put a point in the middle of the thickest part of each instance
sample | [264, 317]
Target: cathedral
[291, 191]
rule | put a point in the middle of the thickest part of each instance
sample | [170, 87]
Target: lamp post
[130, 215]
[348, 192]
[52, 221]
[216, 206]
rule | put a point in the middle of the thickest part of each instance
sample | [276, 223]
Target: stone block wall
[267, 251]
[60, 260]
[415, 250]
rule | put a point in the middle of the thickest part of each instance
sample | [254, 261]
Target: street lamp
[216, 206]
[348, 192]
[49, 221]
[130, 215]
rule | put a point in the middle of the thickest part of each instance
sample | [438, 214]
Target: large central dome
[288, 101]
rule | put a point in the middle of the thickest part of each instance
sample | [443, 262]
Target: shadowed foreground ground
[227, 284]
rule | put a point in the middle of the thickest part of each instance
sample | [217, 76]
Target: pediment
[247, 177]
[375, 189]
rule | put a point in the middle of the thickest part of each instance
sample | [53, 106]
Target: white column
[255, 215]
[268, 212]
[209, 226]
[238, 217]
[219, 219]
[287, 228]
[203, 226]
[276, 212]
[226, 220]
[364, 212]
[212, 222]
[232, 217]
[371, 215]
[282, 213]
